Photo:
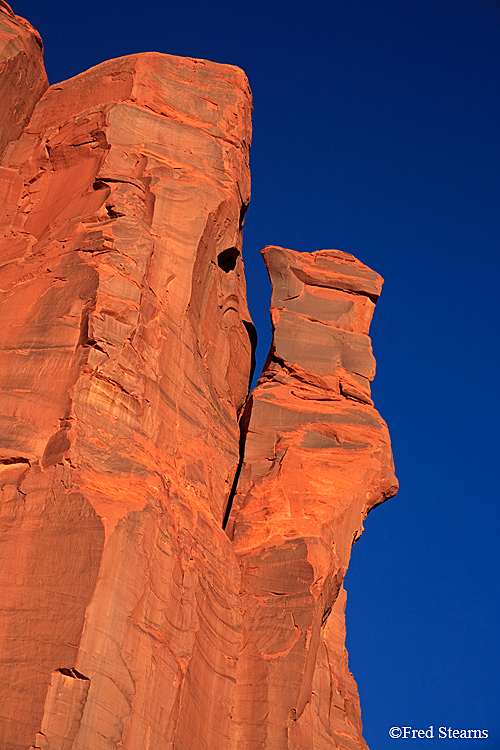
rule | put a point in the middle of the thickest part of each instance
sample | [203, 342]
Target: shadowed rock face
[159, 589]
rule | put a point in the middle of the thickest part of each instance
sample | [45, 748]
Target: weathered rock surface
[317, 459]
[146, 602]
[22, 76]
[125, 359]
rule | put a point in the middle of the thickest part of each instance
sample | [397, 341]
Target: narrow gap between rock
[244, 421]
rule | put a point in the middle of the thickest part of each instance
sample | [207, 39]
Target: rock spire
[172, 550]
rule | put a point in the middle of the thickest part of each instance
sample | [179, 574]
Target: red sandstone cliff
[145, 602]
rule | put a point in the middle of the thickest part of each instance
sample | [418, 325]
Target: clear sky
[376, 131]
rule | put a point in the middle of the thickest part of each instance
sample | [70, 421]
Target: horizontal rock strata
[171, 551]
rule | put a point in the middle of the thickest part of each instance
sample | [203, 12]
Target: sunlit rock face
[317, 459]
[171, 551]
[125, 360]
[22, 76]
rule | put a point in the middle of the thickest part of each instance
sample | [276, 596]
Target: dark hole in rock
[112, 213]
[93, 343]
[72, 673]
[80, 675]
[227, 259]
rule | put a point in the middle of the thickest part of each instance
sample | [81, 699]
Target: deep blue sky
[376, 131]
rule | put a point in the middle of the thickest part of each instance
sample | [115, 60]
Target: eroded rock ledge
[171, 552]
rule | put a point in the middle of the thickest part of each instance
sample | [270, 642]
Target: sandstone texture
[172, 551]
[317, 459]
[22, 75]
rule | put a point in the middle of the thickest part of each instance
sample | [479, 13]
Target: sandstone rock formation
[171, 552]
[317, 459]
[22, 75]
